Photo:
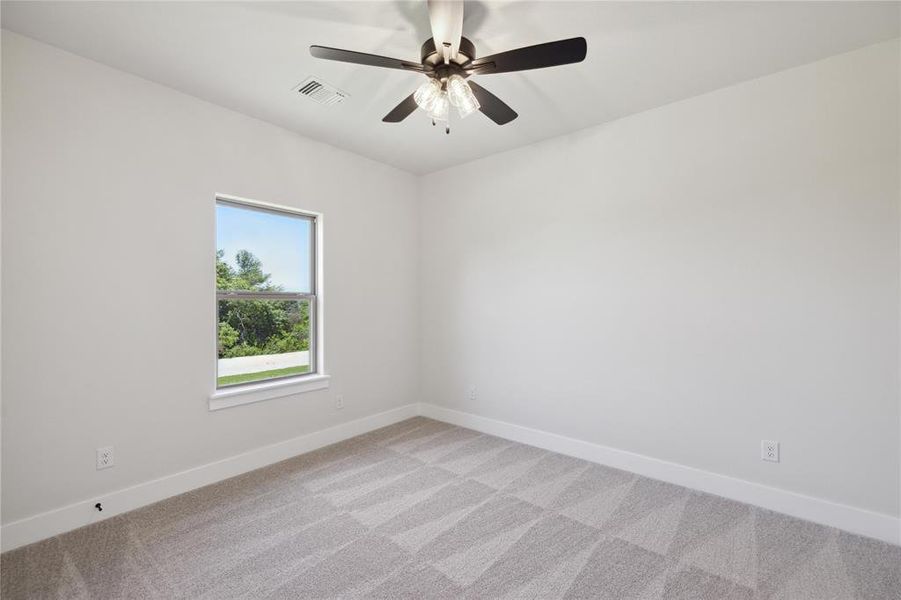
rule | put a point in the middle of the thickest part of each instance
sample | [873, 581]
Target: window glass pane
[263, 250]
[262, 339]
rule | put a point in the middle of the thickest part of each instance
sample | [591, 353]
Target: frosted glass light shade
[426, 94]
[460, 95]
[438, 110]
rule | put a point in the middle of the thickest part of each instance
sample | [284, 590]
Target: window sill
[256, 392]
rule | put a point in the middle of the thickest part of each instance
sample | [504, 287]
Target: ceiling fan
[448, 59]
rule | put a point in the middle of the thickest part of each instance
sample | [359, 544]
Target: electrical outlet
[105, 458]
[472, 393]
[339, 402]
[769, 450]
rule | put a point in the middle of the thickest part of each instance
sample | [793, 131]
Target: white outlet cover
[339, 401]
[105, 458]
[769, 450]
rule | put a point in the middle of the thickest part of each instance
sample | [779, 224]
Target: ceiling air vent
[323, 93]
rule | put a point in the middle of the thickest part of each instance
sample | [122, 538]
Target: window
[266, 296]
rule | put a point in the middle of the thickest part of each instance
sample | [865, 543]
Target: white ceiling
[248, 56]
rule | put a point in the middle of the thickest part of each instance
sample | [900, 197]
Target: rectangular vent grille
[321, 92]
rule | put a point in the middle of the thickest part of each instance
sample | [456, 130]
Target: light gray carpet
[426, 510]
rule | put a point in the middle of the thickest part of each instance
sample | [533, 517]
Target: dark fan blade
[551, 54]
[361, 58]
[493, 107]
[401, 111]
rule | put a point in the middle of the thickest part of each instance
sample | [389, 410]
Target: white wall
[688, 281]
[108, 237]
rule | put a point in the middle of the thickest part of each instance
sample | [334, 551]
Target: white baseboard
[855, 520]
[54, 522]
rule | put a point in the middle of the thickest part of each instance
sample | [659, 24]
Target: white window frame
[317, 378]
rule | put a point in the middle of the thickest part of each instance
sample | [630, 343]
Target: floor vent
[321, 92]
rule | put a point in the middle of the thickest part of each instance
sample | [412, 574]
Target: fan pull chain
[446, 127]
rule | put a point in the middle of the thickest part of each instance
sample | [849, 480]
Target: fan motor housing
[431, 57]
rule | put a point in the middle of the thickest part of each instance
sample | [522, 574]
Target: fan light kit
[433, 98]
[448, 59]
